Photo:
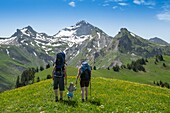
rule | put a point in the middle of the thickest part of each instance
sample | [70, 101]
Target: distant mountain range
[83, 41]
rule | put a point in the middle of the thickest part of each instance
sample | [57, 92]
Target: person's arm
[53, 72]
[78, 75]
[65, 76]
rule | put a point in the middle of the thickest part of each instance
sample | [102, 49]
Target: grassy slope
[108, 95]
[154, 73]
[10, 68]
[7, 72]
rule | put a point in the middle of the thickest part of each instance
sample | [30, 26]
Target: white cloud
[72, 4]
[115, 7]
[138, 2]
[150, 3]
[164, 16]
[106, 1]
[118, 0]
[123, 4]
[143, 2]
[105, 5]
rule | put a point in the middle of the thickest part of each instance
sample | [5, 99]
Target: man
[59, 74]
[84, 72]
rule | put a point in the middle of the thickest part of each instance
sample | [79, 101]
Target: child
[71, 88]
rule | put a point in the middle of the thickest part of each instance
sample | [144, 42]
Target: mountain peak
[29, 28]
[27, 31]
[124, 30]
[83, 22]
[81, 28]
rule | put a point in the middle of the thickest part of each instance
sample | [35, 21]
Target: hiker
[58, 75]
[84, 72]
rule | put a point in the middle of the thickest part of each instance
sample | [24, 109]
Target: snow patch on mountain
[22, 41]
[77, 53]
[7, 52]
[133, 34]
[65, 50]
[49, 49]
[7, 41]
[98, 44]
[65, 33]
[89, 49]
[98, 34]
[35, 53]
[24, 30]
[31, 43]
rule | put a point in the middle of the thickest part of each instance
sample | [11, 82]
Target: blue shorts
[59, 82]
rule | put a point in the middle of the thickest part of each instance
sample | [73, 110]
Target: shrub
[116, 68]
[129, 66]
[164, 64]
[47, 66]
[41, 68]
[160, 57]
[38, 79]
[123, 66]
[94, 68]
[49, 77]
[146, 60]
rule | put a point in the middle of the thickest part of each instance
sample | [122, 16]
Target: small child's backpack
[59, 64]
[85, 71]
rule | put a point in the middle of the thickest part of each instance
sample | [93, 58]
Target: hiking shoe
[56, 99]
[82, 100]
[61, 99]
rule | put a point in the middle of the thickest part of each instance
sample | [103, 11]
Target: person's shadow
[95, 102]
[70, 102]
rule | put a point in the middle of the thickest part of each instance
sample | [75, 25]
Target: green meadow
[107, 95]
[154, 72]
[125, 91]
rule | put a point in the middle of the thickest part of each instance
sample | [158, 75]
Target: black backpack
[59, 64]
[85, 72]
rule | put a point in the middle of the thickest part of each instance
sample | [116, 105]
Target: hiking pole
[90, 88]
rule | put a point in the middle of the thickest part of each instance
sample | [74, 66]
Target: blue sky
[146, 18]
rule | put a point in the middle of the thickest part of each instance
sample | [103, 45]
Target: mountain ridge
[82, 41]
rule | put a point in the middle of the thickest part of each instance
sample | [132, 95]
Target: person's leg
[82, 90]
[56, 94]
[86, 88]
[61, 95]
[61, 86]
[56, 88]
[82, 93]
